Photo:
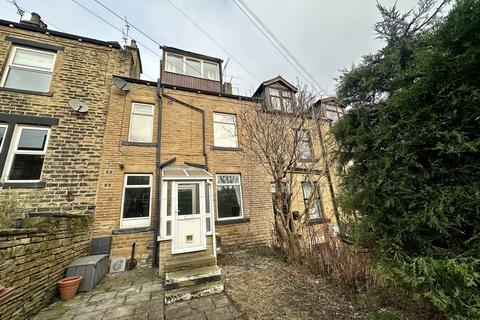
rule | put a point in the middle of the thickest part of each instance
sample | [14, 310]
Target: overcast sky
[324, 35]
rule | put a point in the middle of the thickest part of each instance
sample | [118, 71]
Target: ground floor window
[229, 196]
[137, 198]
[316, 205]
[24, 161]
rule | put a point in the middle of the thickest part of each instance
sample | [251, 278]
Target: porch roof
[185, 173]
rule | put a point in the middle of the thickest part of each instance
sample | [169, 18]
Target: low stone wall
[33, 259]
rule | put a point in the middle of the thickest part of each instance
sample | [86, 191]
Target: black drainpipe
[156, 218]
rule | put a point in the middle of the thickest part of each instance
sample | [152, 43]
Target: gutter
[158, 181]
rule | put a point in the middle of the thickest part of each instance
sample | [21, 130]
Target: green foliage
[413, 135]
[13, 205]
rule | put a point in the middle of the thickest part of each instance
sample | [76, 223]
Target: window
[316, 205]
[29, 69]
[141, 123]
[3, 132]
[208, 211]
[280, 100]
[136, 201]
[210, 70]
[225, 130]
[304, 144]
[26, 155]
[333, 112]
[192, 67]
[229, 196]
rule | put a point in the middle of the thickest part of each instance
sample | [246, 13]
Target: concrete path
[136, 294]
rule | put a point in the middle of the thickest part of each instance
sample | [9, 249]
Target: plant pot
[68, 287]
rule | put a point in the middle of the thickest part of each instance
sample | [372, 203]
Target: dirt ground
[265, 287]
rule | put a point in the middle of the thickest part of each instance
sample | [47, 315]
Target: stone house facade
[159, 164]
[47, 147]
[167, 140]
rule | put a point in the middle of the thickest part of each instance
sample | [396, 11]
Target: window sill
[138, 144]
[318, 221]
[226, 148]
[26, 185]
[232, 221]
[309, 160]
[131, 230]
[35, 93]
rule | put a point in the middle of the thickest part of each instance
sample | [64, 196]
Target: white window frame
[3, 125]
[10, 63]
[133, 112]
[13, 151]
[211, 214]
[215, 144]
[136, 222]
[229, 184]
[169, 69]
[315, 189]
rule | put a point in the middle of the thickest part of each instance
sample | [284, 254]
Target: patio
[136, 294]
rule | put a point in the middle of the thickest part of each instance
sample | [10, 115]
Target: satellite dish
[78, 106]
[121, 84]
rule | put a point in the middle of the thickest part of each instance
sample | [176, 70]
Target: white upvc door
[189, 217]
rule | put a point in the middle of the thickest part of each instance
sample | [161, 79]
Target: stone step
[185, 278]
[192, 292]
[180, 263]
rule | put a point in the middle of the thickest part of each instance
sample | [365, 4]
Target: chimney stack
[36, 21]
[133, 43]
[227, 88]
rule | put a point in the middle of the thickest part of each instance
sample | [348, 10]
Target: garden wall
[33, 259]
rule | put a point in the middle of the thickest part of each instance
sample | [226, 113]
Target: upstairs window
[26, 155]
[192, 67]
[225, 130]
[29, 69]
[333, 112]
[141, 123]
[280, 100]
[304, 144]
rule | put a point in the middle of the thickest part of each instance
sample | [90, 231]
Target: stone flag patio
[137, 294]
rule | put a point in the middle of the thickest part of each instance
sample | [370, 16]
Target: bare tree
[287, 144]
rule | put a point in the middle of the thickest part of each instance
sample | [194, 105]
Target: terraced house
[160, 165]
[54, 101]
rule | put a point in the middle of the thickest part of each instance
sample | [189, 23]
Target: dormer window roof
[191, 70]
[192, 64]
[278, 94]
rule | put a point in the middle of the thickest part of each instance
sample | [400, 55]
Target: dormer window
[192, 67]
[333, 112]
[280, 100]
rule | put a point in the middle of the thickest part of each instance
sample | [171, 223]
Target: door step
[194, 283]
[186, 278]
[191, 292]
[189, 262]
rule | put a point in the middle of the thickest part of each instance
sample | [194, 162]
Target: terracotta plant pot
[68, 287]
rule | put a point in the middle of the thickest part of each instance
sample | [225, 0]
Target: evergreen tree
[411, 144]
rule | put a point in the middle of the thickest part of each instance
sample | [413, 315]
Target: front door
[188, 221]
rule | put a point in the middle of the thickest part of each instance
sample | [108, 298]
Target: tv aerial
[121, 84]
[78, 106]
